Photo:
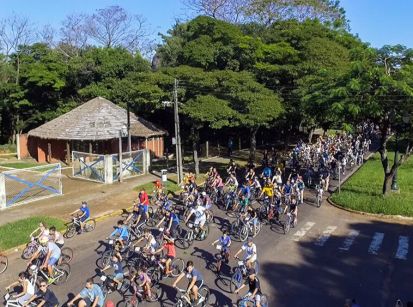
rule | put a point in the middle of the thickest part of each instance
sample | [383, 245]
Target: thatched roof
[97, 119]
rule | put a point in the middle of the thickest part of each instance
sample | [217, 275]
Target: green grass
[17, 233]
[171, 186]
[362, 191]
[20, 165]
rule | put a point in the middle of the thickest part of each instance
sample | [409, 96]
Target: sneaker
[118, 287]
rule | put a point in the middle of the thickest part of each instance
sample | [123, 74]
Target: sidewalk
[102, 199]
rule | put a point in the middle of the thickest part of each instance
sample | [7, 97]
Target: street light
[122, 133]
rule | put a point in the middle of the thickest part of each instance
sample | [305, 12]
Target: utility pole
[128, 126]
[179, 168]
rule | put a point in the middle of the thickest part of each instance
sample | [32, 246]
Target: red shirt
[170, 249]
[143, 198]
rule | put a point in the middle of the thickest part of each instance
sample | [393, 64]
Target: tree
[114, 26]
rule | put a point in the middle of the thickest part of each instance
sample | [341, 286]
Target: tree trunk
[310, 136]
[194, 137]
[253, 144]
[387, 184]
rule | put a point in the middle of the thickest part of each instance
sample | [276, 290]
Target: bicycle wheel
[70, 231]
[243, 233]
[28, 252]
[63, 272]
[236, 280]
[156, 294]
[177, 266]
[104, 260]
[4, 262]
[182, 243]
[205, 293]
[90, 225]
[67, 255]
[319, 200]
[287, 224]
[204, 234]
[180, 303]
[154, 275]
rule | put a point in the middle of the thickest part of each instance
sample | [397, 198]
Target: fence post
[60, 179]
[147, 160]
[207, 149]
[3, 199]
[18, 146]
[108, 161]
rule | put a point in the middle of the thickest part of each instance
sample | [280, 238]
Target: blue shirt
[117, 267]
[85, 210]
[194, 273]
[225, 242]
[91, 294]
[174, 218]
[267, 172]
[121, 231]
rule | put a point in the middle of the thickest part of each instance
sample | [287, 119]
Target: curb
[376, 215]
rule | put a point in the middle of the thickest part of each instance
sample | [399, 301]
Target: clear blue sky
[376, 21]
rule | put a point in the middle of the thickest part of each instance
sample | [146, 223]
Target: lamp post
[122, 132]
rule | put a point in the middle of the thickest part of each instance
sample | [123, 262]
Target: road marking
[325, 235]
[376, 243]
[348, 242]
[403, 248]
[301, 233]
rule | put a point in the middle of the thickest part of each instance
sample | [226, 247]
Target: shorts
[21, 300]
[257, 297]
[170, 257]
[144, 209]
[89, 302]
[84, 218]
[60, 245]
[199, 283]
[53, 261]
[118, 276]
[251, 258]
[200, 222]
[124, 239]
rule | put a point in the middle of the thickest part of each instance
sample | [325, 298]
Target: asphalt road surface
[331, 255]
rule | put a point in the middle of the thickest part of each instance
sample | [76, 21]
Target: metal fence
[21, 186]
[133, 164]
[88, 166]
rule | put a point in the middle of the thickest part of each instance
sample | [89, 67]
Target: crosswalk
[376, 240]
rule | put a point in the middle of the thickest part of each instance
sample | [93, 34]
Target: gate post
[108, 169]
[146, 160]
[3, 200]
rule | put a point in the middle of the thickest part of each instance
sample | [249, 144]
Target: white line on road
[325, 235]
[348, 242]
[403, 248]
[301, 233]
[376, 243]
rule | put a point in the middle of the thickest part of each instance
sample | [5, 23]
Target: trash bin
[164, 175]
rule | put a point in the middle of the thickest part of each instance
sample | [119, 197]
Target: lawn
[17, 233]
[20, 165]
[362, 191]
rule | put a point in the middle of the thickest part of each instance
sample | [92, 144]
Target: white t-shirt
[199, 212]
[249, 250]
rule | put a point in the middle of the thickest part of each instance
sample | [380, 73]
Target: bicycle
[4, 262]
[193, 233]
[220, 257]
[239, 275]
[248, 300]
[184, 301]
[14, 302]
[157, 271]
[30, 248]
[108, 284]
[74, 226]
[61, 273]
[139, 297]
[289, 221]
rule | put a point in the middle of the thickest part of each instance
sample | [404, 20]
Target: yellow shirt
[269, 191]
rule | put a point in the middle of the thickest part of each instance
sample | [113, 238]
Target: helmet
[204, 193]
[84, 203]
[43, 240]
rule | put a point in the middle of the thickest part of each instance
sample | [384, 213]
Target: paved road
[329, 256]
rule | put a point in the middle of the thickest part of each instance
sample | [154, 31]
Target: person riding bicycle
[232, 167]
[121, 233]
[84, 215]
[206, 200]
[143, 206]
[219, 185]
[169, 247]
[42, 230]
[287, 190]
[91, 295]
[151, 245]
[172, 222]
[26, 286]
[144, 282]
[245, 190]
[293, 208]
[250, 175]
[300, 189]
[44, 297]
[51, 253]
[268, 190]
[266, 173]
[254, 287]
[250, 215]
[242, 204]
[250, 253]
[117, 276]
[56, 237]
[225, 242]
[200, 216]
[196, 281]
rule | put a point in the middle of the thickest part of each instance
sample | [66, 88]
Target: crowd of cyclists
[141, 251]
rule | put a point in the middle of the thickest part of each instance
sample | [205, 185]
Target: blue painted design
[92, 169]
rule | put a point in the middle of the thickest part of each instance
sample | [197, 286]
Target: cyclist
[84, 214]
[42, 230]
[266, 173]
[200, 216]
[169, 246]
[91, 295]
[256, 185]
[225, 242]
[300, 189]
[294, 208]
[250, 174]
[287, 190]
[254, 291]
[117, 270]
[172, 219]
[122, 235]
[219, 185]
[250, 253]
[195, 281]
[151, 244]
[268, 190]
[242, 204]
[245, 190]
[44, 297]
[249, 216]
[56, 237]
[52, 255]
[144, 205]
[27, 289]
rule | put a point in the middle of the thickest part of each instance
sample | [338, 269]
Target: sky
[378, 22]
